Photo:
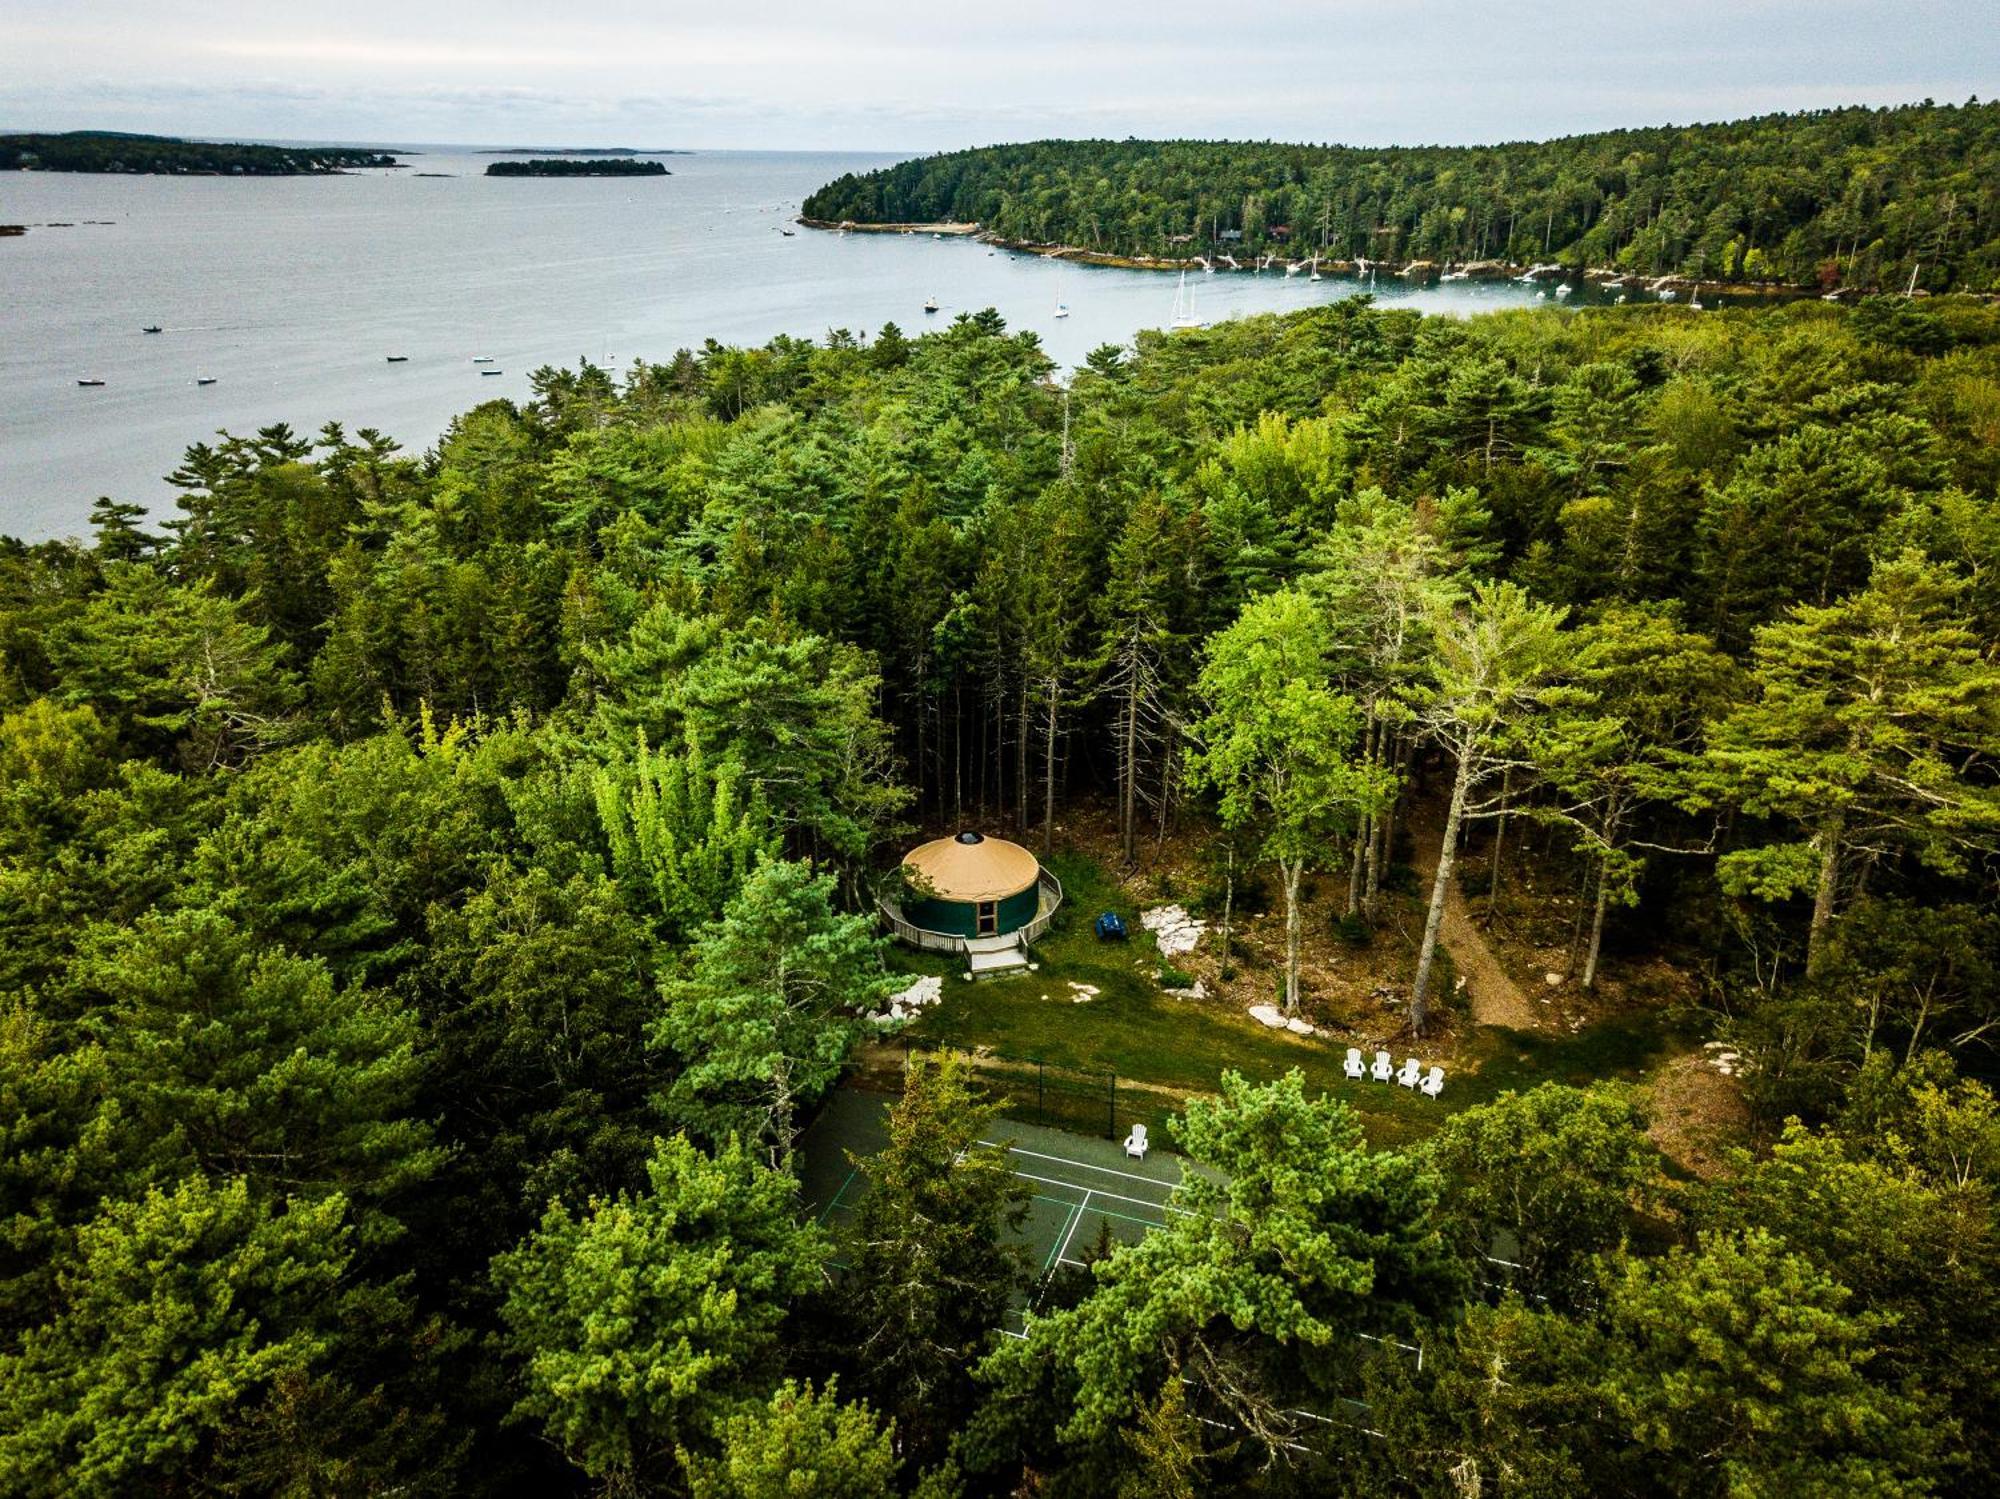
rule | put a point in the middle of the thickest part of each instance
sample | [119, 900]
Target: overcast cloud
[866, 74]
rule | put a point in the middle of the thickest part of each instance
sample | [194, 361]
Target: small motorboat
[150, 328]
[399, 358]
[90, 382]
[931, 304]
[1563, 291]
[482, 358]
[204, 379]
[492, 372]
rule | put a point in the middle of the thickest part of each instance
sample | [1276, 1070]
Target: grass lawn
[1178, 1046]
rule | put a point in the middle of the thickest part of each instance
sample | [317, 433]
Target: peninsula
[166, 155]
[1837, 201]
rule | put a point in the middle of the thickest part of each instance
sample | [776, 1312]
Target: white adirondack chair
[1412, 1070]
[1355, 1066]
[1384, 1068]
[1433, 1082]
[1135, 1143]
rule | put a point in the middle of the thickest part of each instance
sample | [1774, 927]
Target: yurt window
[989, 917]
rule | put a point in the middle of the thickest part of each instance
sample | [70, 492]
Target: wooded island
[596, 167]
[114, 151]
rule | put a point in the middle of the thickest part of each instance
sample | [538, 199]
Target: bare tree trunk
[1499, 846]
[1364, 834]
[1364, 830]
[1128, 772]
[1596, 926]
[1828, 891]
[1294, 871]
[1021, 761]
[1420, 991]
[1380, 848]
[1228, 903]
[1054, 685]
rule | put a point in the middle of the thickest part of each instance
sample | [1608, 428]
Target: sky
[874, 75]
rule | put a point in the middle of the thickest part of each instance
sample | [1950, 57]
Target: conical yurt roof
[970, 867]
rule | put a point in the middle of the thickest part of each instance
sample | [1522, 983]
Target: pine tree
[1871, 717]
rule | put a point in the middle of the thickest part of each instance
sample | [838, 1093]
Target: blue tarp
[1110, 927]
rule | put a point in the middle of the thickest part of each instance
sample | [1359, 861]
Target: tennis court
[1079, 1187]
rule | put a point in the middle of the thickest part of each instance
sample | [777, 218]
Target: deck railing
[1051, 902]
[916, 936]
[1050, 899]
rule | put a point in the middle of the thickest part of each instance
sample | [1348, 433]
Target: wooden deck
[983, 956]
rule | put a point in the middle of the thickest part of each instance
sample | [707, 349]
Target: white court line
[1088, 1192]
[1063, 1160]
[1081, 1208]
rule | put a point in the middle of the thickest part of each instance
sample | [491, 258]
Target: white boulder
[1173, 929]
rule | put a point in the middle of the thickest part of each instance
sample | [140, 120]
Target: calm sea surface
[291, 292]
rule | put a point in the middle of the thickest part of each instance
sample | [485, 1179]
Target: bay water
[291, 293]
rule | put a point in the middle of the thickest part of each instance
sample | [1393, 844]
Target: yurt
[971, 886]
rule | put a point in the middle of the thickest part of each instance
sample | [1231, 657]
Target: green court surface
[1078, 1186]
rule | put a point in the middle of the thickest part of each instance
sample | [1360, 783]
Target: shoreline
[1415, 272]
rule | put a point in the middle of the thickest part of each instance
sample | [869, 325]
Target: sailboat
[1062, 307]
[1184, 306]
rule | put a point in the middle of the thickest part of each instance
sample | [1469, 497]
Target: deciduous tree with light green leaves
[1494, 665]
[1277, 744]
[644, 1320]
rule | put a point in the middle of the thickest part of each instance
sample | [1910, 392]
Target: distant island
[166, 155]
[577, 151]
[541, 167]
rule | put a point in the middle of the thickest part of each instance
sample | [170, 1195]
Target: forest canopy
[435, 902]
[1855, 198]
